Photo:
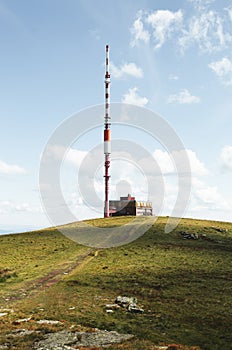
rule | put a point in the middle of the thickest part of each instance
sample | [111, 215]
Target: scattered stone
[130, 303]
[3, 314]
[187, 235]
[65, 340]
[4, 347]
[7, 310]
[125, 301]
[112, 306]
[135, 309]
[48, 322]
[21, 332]
[21, 320]
[72, 308]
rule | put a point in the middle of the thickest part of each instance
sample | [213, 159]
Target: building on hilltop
[130, 206]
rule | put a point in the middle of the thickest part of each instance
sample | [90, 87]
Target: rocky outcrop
[65, 340]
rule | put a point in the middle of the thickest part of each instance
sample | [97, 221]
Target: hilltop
[182, 281]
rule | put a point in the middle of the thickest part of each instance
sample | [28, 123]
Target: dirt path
[84, 262]
[53, 276]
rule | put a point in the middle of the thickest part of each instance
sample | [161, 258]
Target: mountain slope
[182, 280]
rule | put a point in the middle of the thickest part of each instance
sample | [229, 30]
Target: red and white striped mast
[107, 148]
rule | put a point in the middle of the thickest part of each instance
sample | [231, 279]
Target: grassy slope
[184, 286]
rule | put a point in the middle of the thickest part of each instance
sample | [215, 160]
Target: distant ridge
[19, 229]
[4, 232]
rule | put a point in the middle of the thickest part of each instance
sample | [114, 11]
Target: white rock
[112, 306]
[48, 322]
[23, 320]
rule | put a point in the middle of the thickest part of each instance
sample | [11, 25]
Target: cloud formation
[132, 97]
[201, 4]
[69, 156]
[167, 166]
[184, 97]
[139, 34]
[11, 207]
[130, 69]
[205, 199]
[207, 31]
[10, 169]
[223, 69]
[206, 28]
[229, 11]
[164, 23]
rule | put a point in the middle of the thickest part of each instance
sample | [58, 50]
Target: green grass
[27, 256]
[183, 285]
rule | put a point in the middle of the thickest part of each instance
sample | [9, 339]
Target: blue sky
[172, 57]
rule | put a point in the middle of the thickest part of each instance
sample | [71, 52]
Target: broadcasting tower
[107, 148]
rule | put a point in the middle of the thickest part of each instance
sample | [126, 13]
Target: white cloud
[139, 34]
[207, 31]
[164, 161]
[207, 199]
[70, 155]
[223, 69]
[229, 11]
[132, 97]
[130, 69]
[207, 28]
[201, 4]
[75, 157]
[197, 167]
[226, 158]
[184, 97]
[164, 23]
[11, 207]
[208, 195]
[167, 166]
[10, 169]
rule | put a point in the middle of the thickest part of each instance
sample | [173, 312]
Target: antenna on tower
[107, 148]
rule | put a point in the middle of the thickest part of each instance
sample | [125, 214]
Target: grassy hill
[184, 285]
